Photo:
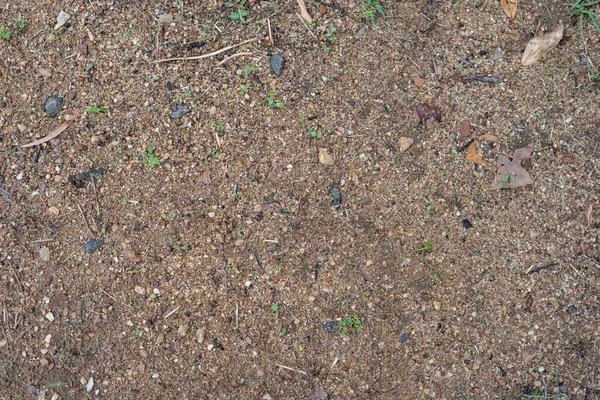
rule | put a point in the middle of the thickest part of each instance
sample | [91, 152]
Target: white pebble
[155, 376]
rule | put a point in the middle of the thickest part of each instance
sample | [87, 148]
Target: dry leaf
[206, 177]
[324, 157]
[130, 255]
[510, 8]
[510, 173]
[473, 155]
[57, 131]
[405, 143]
[304, 11]
[539, 46]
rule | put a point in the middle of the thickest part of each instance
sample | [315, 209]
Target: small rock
[165, 18]
[53, 210]
[140, 290]
[497, 55]
[1, 178]
[278, 64]
[465, 128]
[3, 342]
[45, 254]
[419, 82]
[466, 224]
[212, 110]
[200, 335]
[160, 339]
[180, 110]
[130, 255]
[50, 317]
[53, 105]
[155, 376]
[324, 157]
[92, 245]
[562, 389]
[404, 338]
[188, 202]
[571, 309]
[61, 20]
[183, 330]
[336, 196]
[369, 263]
[32, 390]
[330, 327]
[405, 143]
[90, 384]
[437, 305]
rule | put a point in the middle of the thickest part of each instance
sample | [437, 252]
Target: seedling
[426, 247]
[583, 10]
[227, 267]
[434, 278]
[331, 35]
[20, 25]
[372, 8]
[248, 70]
[138, 332]
[314, 134]
[241, 13]
[349, 325]
[185, 247]
[274, 104]
[594, 76]
[275, 307]
[243, 88]
[283, 332]
[4, 33]
[150, 158]
[56, 384]
[430, 207]
[217, 127]
[507, 180]
[127, 32]
[89, 66]
[95, 110]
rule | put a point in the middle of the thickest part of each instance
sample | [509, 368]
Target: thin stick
[232, 56]
[42, 240]
[218, 140]
[435, 71]
[172, 312]
[17, 278]
[291, 369]
[303, 23]
[85, 220]
[270, 34]
[237, 319]
[214, 53]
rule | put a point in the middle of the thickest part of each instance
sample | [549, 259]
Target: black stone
[466, 224]
[170, 85]
[188, 202]
[180, 110]
[53, 105]
[79, 180]
[404, 338]
[571, 309]
[1, 178]
[92, 245]
[278, 64]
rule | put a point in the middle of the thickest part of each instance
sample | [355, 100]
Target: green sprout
[95, 110]
[372, 8]
[351, 324]
[274, 104]
[507, 180]
[313, 133]
[150, 159]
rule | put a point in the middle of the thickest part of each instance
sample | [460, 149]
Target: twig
[214, 53]
[538, 269]
[85, 220]
[237, 318]
[218, 140]
[17, 278]
[435, 71]
[291, 369]
[172, 312]
[340, 9]
[270, 32]
[223, 61]
[42, 240]
[258, 260]
[96, 197]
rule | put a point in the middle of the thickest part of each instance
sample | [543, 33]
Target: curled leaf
[539, 46]
[510, 8]
[472, 154]
[304, 11]
[57, 131]
[510, 173]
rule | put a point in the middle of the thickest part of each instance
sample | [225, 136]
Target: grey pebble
[278, 64]
[336, 196]
[330, 327]
[92, 245]
[562, 389]
[1, 178]
[188, 202]
[180, 110]
[32, 389]
[404, 338]
[53, 105]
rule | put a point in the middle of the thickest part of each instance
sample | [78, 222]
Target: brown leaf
[473, 155]
[510, 8]
[304, 11]
[57, 131]
[205, 177]
[130, 255]
[510, 173]
[324, 157]
[405, 143]
[539, 46]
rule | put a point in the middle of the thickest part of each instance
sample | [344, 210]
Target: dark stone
[169, 248]
[188, 202]
[571, 309]
[562, 389]
[180, 110]
[466, 224]
[404, 338]
[278, 64]
[330, 327]
[1, 178]
[32, 390]
[92, 245]
[482, 52]
[195, 45]
[269, 200]
[352, 103]
[79, 180]
[53, 105]
[170, 85]
[336, 196]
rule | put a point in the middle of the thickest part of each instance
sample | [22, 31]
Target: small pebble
[155, 376]
[330, 327]
[32, 389]
[45, 254]
[180, 110]
[541, 369]
[92, 245]
[188, 202]
[1, 178]
[278, 64]
[90, 384]
[572, 309]
[404, 338]
[466, 224]
[53, 105]
[50, 317]
[336, 196]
